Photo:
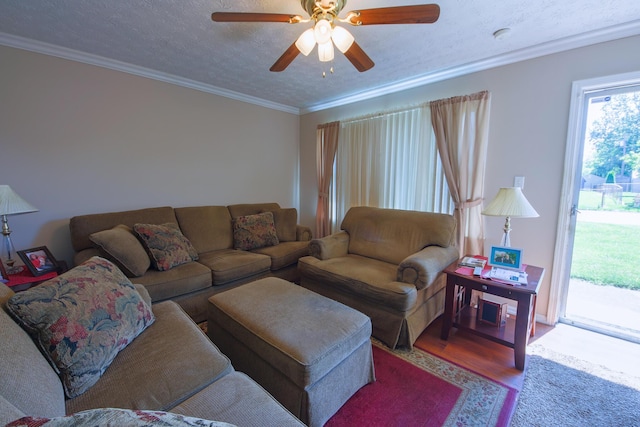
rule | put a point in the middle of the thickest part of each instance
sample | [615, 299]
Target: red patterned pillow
[254, 231]
[115, 417]
[166, 245]
[82, 319]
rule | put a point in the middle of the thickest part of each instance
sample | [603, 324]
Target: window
[388, 160]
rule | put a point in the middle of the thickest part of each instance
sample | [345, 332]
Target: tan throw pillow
[254, 231]
[286, 221]
[166, 245]
[123, 248]
[81, 320]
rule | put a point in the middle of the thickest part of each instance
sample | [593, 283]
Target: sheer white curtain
[389, 160]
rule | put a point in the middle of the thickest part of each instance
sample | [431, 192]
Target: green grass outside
[607, 254]
[593, 200]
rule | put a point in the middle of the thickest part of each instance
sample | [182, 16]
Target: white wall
[78, 139]
[529, 113]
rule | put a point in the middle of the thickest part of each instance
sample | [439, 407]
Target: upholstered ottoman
[311, 353]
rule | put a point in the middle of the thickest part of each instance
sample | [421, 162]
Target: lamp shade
[322, 31]
[12, 204]
[325, 51]
[510, 202]
[306, 42]
[342, 38]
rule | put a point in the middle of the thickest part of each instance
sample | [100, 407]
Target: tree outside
[614, 136]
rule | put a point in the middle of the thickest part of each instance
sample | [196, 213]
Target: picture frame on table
[38, 260]
[510, 258]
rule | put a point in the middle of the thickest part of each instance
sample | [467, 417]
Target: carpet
[415, 388]
[563, 391]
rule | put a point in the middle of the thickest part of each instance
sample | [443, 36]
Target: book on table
[473, 262]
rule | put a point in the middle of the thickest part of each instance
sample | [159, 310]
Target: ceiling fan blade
[358, 58]
[418, 14]
[287, 58]
[254, 17]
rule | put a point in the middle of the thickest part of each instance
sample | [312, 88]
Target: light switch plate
[518, 181]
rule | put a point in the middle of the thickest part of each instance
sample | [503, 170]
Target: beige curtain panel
[326, 146]
[461, 126]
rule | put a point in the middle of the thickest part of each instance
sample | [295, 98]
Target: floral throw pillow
[117, 417]
[166, 245]
[254, 231]
[81, 319]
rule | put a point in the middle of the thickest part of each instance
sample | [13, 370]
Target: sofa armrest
[333, 246]
[423, 267]
[303, 233]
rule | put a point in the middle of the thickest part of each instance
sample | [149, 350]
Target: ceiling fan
[323, 14]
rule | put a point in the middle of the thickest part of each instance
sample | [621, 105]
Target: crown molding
[607, 34]
[87, 58]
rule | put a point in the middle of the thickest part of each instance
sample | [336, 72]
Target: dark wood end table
[459, 313]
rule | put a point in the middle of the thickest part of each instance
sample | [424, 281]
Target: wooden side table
[459, 313]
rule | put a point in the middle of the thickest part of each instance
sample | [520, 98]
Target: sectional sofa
[198, 251]
[88, 348]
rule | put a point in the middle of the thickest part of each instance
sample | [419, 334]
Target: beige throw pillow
[123, 248]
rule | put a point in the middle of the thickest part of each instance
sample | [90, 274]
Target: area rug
[562, 391]
[415, 388]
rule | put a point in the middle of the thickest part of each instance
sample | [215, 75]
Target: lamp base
[11, 268]
[506, 240]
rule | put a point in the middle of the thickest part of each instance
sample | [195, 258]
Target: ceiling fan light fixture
[325, 51]
[306, 42]
[342, 39]
[322, 31]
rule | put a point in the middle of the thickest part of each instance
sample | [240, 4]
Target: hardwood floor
[496, 361]
[480, 355]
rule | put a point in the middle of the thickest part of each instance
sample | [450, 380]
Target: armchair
[386, 263]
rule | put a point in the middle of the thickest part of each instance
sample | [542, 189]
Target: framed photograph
[38, 260]
[492, 313]
[506, 257]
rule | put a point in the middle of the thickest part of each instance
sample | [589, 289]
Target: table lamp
[11, 204]
[510, 203]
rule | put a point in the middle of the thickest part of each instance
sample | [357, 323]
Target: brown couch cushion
[207, 227]
[391, 235]
[369, 279]
[286, 221]
[230, 265]
[81, 320]
[191, 362]
[180, 280]
[217, 401]
[28, 381]
[251, 208]
[123, 248]
[284, 254]
[82, 226]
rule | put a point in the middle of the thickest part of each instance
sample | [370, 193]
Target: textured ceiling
[178, 40]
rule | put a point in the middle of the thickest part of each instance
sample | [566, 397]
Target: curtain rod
[384, 113]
